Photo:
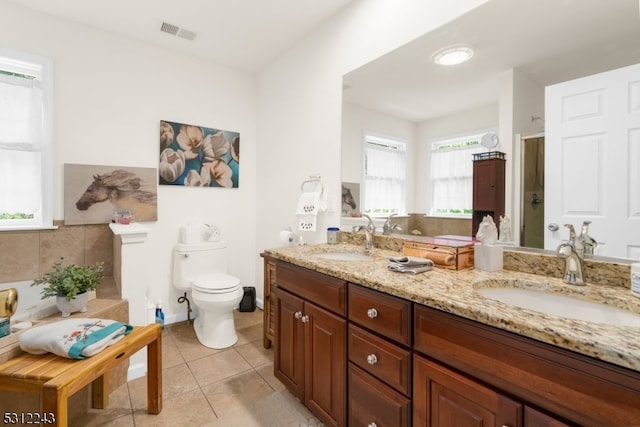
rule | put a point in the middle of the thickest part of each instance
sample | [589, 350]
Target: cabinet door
[488, 184]
[373, 403]
[326, 364]
[444, 398]
[535, 418]
[289, 339]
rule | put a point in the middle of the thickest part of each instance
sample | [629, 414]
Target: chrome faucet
[388, 228]
[369, 232]
[572, 254]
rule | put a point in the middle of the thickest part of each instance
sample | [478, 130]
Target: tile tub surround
[26, 255]
[455, 292]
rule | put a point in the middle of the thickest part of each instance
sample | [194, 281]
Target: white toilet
[202, 269]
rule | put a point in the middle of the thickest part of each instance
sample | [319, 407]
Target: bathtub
[30, 306]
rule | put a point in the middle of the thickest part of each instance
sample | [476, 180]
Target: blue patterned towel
[73, 338]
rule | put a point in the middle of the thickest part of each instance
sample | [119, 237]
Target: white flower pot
[79, 303]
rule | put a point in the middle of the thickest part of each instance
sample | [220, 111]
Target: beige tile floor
[206, 387]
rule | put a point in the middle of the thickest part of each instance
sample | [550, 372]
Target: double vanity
[359, 344]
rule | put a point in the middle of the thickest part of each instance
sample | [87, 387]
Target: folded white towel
[307, 222]
[73, 338]
[411, 270]
[409, 261]
[309, 203]
[409, 264]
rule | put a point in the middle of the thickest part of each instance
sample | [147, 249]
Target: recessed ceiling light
[453, 55]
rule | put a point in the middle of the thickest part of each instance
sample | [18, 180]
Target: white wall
[110, 94]
[299, 101]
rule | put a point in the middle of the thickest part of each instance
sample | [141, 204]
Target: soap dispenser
[159, 314]
[588, 243]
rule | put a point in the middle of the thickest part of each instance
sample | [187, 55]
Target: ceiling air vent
[177, 31]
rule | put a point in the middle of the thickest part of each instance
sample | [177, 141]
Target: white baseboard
[137, 370]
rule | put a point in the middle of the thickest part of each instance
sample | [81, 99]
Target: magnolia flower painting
[198, 156]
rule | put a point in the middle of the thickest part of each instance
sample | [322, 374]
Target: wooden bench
[56, 378]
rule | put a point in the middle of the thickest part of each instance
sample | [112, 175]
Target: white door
[592, 160]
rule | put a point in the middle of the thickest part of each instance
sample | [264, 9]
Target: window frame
[24, 63]
[460, 138]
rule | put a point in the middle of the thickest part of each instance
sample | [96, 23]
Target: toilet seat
[216, 283]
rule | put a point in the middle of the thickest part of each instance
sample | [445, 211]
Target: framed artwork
[350, 199]
[198, 156]
[96, 194]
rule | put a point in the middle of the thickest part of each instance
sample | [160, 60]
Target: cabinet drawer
[371, 401]
[323, 290]
[388, 362]
[385, 314]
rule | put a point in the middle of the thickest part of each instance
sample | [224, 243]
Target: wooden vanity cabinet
[446, 398]
[310, 356]
[571, 389]
[380, 358]
[268, 317]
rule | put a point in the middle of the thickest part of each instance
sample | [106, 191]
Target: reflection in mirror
[531, 44]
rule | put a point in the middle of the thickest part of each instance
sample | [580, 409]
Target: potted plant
[70, 285]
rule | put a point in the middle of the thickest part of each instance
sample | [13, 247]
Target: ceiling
[243, 34]
[549, 41]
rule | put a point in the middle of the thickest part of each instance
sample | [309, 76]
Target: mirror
[534, 43]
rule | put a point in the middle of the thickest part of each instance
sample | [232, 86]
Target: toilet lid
[216, 283]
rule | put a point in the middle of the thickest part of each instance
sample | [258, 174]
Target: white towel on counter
[309, 205]
[409, 264]
[73, 338]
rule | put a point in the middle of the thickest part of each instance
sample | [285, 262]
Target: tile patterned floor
[207, 387]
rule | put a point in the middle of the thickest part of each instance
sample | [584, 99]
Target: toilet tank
[192, 260]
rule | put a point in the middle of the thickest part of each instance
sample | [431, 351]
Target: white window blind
[25, 142]
[451, 175]
[384, 176]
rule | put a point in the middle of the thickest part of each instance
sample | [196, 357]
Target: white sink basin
[562, 306]
[344, 256]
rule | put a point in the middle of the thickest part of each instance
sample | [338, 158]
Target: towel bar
[313, 179]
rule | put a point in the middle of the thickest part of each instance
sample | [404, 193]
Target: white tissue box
[191, 234]
[488, 257]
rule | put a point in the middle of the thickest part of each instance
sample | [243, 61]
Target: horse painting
[124, 190]
[349, 204]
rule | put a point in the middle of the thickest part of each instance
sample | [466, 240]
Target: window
[452, 175]
[384, 176]
[25, 141]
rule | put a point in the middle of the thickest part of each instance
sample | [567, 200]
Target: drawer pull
[298, 314]
[372, 425]
[305, 319]
[372, 359]
[372, 313]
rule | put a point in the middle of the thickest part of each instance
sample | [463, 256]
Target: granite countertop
[456, 292]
